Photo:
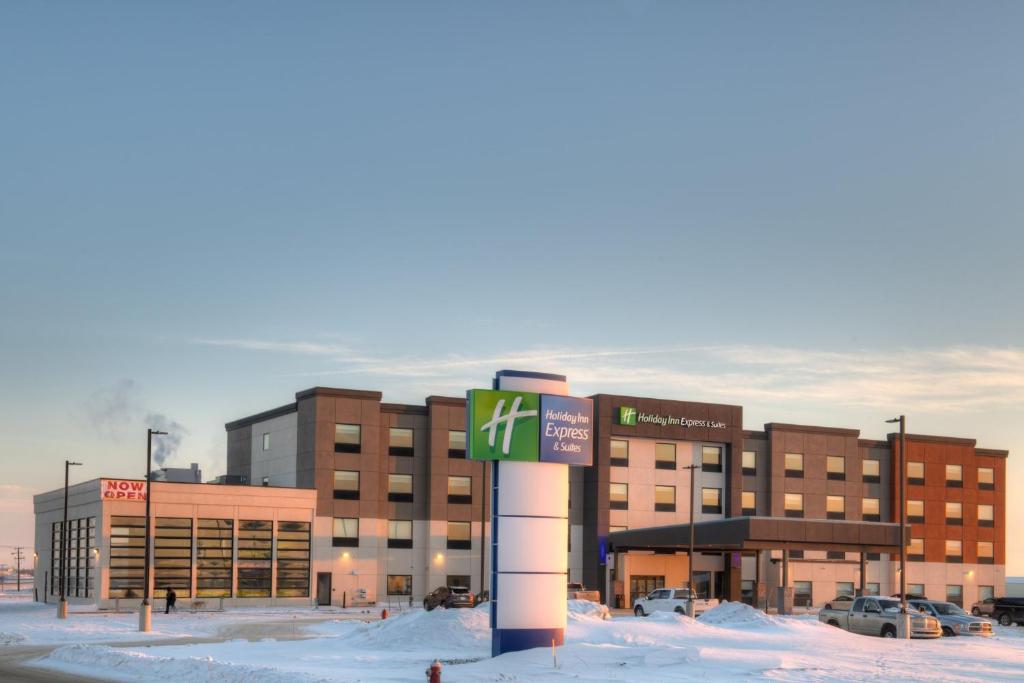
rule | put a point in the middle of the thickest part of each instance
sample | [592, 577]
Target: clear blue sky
[812, 209]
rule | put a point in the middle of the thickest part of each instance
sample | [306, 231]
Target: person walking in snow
[172, 598]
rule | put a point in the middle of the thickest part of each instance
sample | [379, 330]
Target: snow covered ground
[731, 642]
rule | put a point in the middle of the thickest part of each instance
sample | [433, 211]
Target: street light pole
[146, 609]
[904, 613]
[693, 478]
[18, 557]
[65, 546]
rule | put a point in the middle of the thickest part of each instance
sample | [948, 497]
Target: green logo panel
[503, 425]
[627, 416]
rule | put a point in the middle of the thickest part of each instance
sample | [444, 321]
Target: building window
[457, 581]
[346, 532]
[400, 488]
[802, 592]
[915, 551]
[870, 471]
[711, 501]
[915, 511]
[749, 463]
[835, 555]
[795, 465]
[460, 489]
[172, 555]
[347, 438]
[293, 559]
[955, 594]
[954, 551]
[456, 444]
[954, 513]
[870, 510]
[871, 588]
[985, 516]
[665, 498]
[794, 504]
[748, 499]
[835, 507]
[255, 552]
[985, 554]
[986, 479]
[399, 533]
[346, 485]
[266, 441]
[664, 456]
[986, 593]
[796, 554]
[915, 472]
[613, 529]
[915, 589]
[618, 496]
[458, 536]
[711, 458]
[845, 588]
[747, 591]
[127, 553]
[80, 569]
[835, 466]
[620, 453]
[874, 556]
[399, 584]
[955, 476]
[399, 441]
[213, 557]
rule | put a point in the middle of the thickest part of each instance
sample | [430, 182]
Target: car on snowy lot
[953, 619]
[448, 597]
[1008, 611]
[840, 602]
[670, 600]
[983, 608]
[877, 617]
[576, 591]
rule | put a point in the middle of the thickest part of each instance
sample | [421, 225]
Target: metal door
[323, 588]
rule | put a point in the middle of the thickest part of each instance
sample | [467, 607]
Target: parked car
[670, 600]
[840, 602]
[447, 597]
[873, 616]
[576, 591]
[1008, 611]
[953, 619]
[983, 608]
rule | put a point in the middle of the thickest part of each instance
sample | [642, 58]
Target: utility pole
[18, 558]
[904, 613]
[694, 468]
[146, 610]
[65, 546]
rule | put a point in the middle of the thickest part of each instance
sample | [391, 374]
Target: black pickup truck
[1008, 611]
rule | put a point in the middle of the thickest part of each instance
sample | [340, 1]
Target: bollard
[434, 672]
[384, 613]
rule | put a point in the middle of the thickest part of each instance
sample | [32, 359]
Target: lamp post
[146, 610]
[693, 478]
[65, 545]
[904, 614]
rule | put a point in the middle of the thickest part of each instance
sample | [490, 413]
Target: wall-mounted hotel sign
[529, 427]
[122, 489]
[631, 417]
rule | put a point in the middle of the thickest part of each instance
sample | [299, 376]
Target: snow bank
[736, 614]
[133, 666]
[447, 629]
[586, 608]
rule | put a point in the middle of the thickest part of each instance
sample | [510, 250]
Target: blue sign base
[515, 639]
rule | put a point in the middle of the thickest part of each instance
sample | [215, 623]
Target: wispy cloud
[958, 378]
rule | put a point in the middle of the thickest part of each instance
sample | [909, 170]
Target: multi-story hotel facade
[395, 509]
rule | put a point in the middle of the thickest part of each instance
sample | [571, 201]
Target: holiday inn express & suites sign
[530, 427]
[631, 417]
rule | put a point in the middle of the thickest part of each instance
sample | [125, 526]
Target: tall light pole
[146, 610]
[18, 557]
[694, 468]
[65, 545]
[904, 615]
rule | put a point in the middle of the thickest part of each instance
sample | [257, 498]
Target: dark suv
[1009, 610]
[448, 596]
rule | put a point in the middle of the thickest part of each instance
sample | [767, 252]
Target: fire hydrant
[384, 613]
[434, 672]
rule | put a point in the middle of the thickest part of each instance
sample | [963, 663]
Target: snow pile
[447, 629]
[586, 608]
[735, 614]
[129, 665]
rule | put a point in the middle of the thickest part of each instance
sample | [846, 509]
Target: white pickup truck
[670, 600]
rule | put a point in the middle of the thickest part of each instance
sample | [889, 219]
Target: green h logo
[505, 425]
[627, 416]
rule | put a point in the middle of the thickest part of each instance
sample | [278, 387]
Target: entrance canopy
[764, 533]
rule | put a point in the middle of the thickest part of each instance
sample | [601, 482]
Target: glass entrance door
[640, 586]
